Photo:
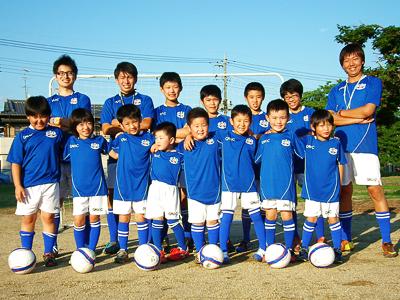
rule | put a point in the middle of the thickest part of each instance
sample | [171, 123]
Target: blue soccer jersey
[63, 106]
[38, 152]
[111, 106]
[86, 168]
[166, 166]
[357, 138]
[202, 167]
[275, 153]
[133, 166]
[174, 114]
[259, 123]
[321, 176]
[220, 122]
[237, 161]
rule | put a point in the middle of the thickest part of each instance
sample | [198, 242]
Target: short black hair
[241, 109]
[321, 116]
[172, 77]
[277, 105]
[129, 111]
[167, 127]
[195, 113]
[351, 49]
[37, 105]
[291, 86]
[254, 86]
[80, 115]
[67, 61]
[210, 90]
[125, 67]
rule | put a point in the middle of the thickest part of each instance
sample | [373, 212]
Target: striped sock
[26, 239]
[112, 225]
[95, 228]
[319, 228]
[289, 232]
[48, 239]
[345, 221]
[143, 232]
[255, 216]
[179, 232]
[308, 229]
[156, 232]
[123, 233]
[336, 232]
[79, 235]
[213, 234]
[270, 228]
[225, 228]
[246, 225]
[198, 236]
[383, 219]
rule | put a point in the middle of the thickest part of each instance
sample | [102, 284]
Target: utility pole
[25, 79]
[225, 101]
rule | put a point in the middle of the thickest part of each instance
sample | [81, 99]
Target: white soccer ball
[147, 257]
[211, 256]
[83, 260]
[22, 261]
[277, 256]
[321, 255]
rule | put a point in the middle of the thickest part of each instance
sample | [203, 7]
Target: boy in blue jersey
[202, 168]
[277, 189]
[238, 177]
[126, 75]
[62, 104]
[324, 159]
[353, 104]
[34, 158]
[163, 198]
[132, 150]
[89, 189]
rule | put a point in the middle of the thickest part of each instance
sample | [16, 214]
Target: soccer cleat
[293, 256]
[346, 246]
[163, 258]
[388, 250]
[165, 245]
[226, 259]
[321, 239]
[243, 247]
[338, 256]
[296, 244]
[259, 255]
[55, 250]
[177, 254]
[111, 248]
[49, 259]
[122, 257]
[303, 255]
[190, 244]
[231, 247]
[197, 258]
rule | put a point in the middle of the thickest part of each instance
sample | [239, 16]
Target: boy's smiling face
[131, 126]
[211, 104]
[277, 120]
[254, 99]
[241, 124]
[199, 128]
[171, 91]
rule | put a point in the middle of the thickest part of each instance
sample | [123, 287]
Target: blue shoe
[243, 247]
[227, 260]
[111, 248]
[259, 255]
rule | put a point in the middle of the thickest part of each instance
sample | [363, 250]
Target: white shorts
[65, 180]
[44, 197]
[94, 205]
[199, 212]
[248, 200]
[362, 168]
[127, 207]
[281, 205]
[162, 200]
[299, 179]
[111, 175]
[316, 209]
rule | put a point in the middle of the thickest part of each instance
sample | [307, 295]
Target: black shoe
[190, 244]
[231, 247]
[303, 255]
[49, 259]
[338, 256]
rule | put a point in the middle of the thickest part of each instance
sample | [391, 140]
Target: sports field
[364, 274]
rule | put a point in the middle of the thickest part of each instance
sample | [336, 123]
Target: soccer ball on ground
[147, 257]
[321, 255]
[22, 261]
[277, 256]
[83, 260]
[211, 256]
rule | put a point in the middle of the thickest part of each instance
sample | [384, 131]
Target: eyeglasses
[63, 74]
[290, 97]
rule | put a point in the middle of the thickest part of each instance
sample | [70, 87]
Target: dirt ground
[364, 274]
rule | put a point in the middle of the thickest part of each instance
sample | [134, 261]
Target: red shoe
[163, 258]
[177, 254]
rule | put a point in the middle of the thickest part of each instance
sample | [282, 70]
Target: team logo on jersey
[265, 141]
[290, 121]
[221, 125]
[173, 160]
[249, 141]
[305, 118]
[332, 151]
[54, 100]
[145, 143]
[361, 86]
[263, 123]
[229, 139]
[94, 146]
[156, 155]
[163, 113]
[74, 100]
[118, 101]
[137, 101]
[210, 141]
[24, 137]
[72, 146]
[285, 142]
[180, 114]
[310, 147]
[51, 133]
[124, 139]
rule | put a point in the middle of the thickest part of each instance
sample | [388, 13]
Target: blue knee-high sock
[345, 221]
[150, 237]
[213, 234]
[179, 232]
[87, 230]
[156, 232]
[270, 228]
[56, 226]
[112, 225]
[255, 216]
[143, 232]
[26, 239]
[319, 228]
[198, 236]
[186, 224]
[246, 225]
[308, 229]
[225, 228]
[336, 232]
[165, 230]
[123, 233]
[289, 232]
[79, 235]
[383, 219]
[49, 240]
[296, 230]
[95, 229]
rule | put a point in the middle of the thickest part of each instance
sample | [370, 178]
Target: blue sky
[291, 37]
